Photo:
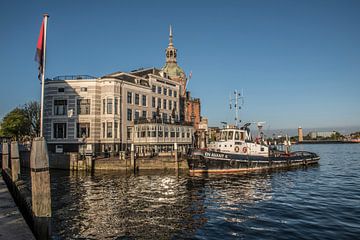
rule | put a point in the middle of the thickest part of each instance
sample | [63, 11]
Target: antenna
[234, 102]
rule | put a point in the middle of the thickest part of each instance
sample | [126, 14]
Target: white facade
[102, 111]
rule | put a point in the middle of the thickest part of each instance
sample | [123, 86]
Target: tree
[16, 124]
[32, 111]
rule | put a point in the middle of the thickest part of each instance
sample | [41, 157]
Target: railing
[73, 77]
[160, 120]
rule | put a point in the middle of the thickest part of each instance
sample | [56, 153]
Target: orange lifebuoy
[236, 149]
[244, 149]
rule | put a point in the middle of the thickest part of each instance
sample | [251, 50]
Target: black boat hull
[216, 162]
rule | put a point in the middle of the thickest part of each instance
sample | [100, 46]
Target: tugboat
[236, 151]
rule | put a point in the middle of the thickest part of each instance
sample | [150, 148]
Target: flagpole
[43, 79]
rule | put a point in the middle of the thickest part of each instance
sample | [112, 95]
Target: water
[318, 202]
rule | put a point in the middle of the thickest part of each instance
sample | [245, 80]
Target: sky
[297, 62]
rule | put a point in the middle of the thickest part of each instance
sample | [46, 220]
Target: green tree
[16, 124]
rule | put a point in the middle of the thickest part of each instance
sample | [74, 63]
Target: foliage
[16, 124]
[32, 111]
[22, 122]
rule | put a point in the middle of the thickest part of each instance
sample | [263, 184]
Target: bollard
[40, 188]
[176, 156]
[89, 166]
[5, 155]
[132, 157]
[15, 161]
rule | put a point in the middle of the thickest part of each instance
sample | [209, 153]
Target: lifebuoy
[236, 149]
[244, 149]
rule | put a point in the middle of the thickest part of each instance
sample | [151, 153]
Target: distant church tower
[171, 68]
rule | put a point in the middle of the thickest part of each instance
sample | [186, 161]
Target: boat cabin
[239, 141]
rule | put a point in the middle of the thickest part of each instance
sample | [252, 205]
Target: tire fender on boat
[237, 149]
[244, 149]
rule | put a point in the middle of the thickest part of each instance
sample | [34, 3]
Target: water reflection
[152, 205]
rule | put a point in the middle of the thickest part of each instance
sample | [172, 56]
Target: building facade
[109, 113]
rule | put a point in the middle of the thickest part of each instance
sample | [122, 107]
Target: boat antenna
[234, 101]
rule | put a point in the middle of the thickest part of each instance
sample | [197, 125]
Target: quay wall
[64, 162]
[19, 228]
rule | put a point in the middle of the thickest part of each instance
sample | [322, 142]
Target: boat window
[237, 136]
[231, 135]
[242, 137]
[223, 136]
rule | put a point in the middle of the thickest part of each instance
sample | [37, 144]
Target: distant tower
[300, 134]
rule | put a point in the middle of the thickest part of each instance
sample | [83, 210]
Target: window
[116, 105]
[144, 100]
[242, 137]
[136, 115]
[165, 117]
[83, 130]
[128, 133]
[83, 89]
[83, 106]
[61, 89]
[164, 104]
[59, 130]
[109, 130]
[166, 132]
[60, 107]
[160, 132]
[159, 90]
[170, 92]
[175, 94]
[144, 114]
[109, 106]
[231, 135]
[137, 99]
[237, 137]
[170, 105]
[159, 103]
[165, 91]
[103, 130]
[172, 133]
[177, 132]
[129, 97]
[129, 115]
[154, 88]
[154, 115]
[104, 106]
[175, 105]
[153, 102]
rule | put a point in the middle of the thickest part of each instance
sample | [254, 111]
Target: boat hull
[216, 162]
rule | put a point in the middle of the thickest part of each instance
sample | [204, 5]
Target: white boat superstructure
[239, 141]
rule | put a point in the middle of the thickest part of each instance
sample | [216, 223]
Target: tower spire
[170, 37]
[170, 50]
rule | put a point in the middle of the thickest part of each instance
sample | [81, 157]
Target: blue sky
[298, 62]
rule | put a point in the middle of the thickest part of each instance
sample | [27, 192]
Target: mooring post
[176, 156]
[40, 188]
[132, 157]
[15, 161]
[5, 155]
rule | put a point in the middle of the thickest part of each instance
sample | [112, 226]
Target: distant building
[315, 135]
[147, 107]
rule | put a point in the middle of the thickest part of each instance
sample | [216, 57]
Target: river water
[317, 202]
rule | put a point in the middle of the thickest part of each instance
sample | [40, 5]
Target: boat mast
[235, 101]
